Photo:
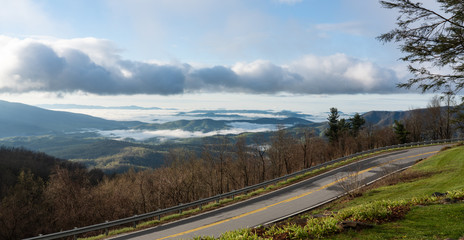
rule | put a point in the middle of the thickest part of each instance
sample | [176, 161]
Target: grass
[430, 222]
[441, 173]
[237, 198]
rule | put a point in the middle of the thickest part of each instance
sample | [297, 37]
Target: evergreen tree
[430, 38]
[333, 131]
[343, 126]
[356, 122]
[401, 132]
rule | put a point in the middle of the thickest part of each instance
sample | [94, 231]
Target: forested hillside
[14, 161]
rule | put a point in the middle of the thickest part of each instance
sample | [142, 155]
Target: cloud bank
[95, 66]
[141, 135]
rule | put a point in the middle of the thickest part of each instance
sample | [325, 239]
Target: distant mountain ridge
[17, 119]
[39, 129]
[242, 114]
[384, 118]
[209, 125]
[200, 125]
[277, 121]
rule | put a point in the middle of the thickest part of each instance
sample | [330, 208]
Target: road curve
[283, 202]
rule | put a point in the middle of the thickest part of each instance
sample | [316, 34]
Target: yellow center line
[292, 198]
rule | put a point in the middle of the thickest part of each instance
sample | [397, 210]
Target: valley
[116, 146]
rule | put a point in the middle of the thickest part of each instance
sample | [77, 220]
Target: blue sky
[189, 53]
[216, 32]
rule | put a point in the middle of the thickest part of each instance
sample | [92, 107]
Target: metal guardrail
[134, 219]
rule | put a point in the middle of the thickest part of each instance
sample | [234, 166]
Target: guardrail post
[159, 217]
[200, 207]
[75, 236]
[106, 229]
[135, 222]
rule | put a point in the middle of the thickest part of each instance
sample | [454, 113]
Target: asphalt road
[286, 201]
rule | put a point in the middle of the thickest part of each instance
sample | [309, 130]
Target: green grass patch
[434, 221]
[430, 222]
[445, 172]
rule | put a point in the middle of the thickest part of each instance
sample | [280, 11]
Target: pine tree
[356, 123]
[431, 39]
[401, 132]
[333, 131]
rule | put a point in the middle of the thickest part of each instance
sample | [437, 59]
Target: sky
[299, 55]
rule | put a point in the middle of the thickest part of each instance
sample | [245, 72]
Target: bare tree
[450, 104]
[305, 145]
[242, 152]
[280, 152]
[435, 121]
[351, 183]
[260, 148]
[414, 124]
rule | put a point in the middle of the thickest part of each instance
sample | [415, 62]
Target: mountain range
[18, 119]
[77, 136]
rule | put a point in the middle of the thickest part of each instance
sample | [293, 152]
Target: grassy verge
[430, 222]
[411, 211]
[441, 173]
[227, 201]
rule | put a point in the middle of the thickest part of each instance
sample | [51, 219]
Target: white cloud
[95, 66]
[140, 135]
[88, 64]
[341, 74]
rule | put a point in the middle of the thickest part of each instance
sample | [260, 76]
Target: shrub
[319, 227]
[373, 212]
[456, 194]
